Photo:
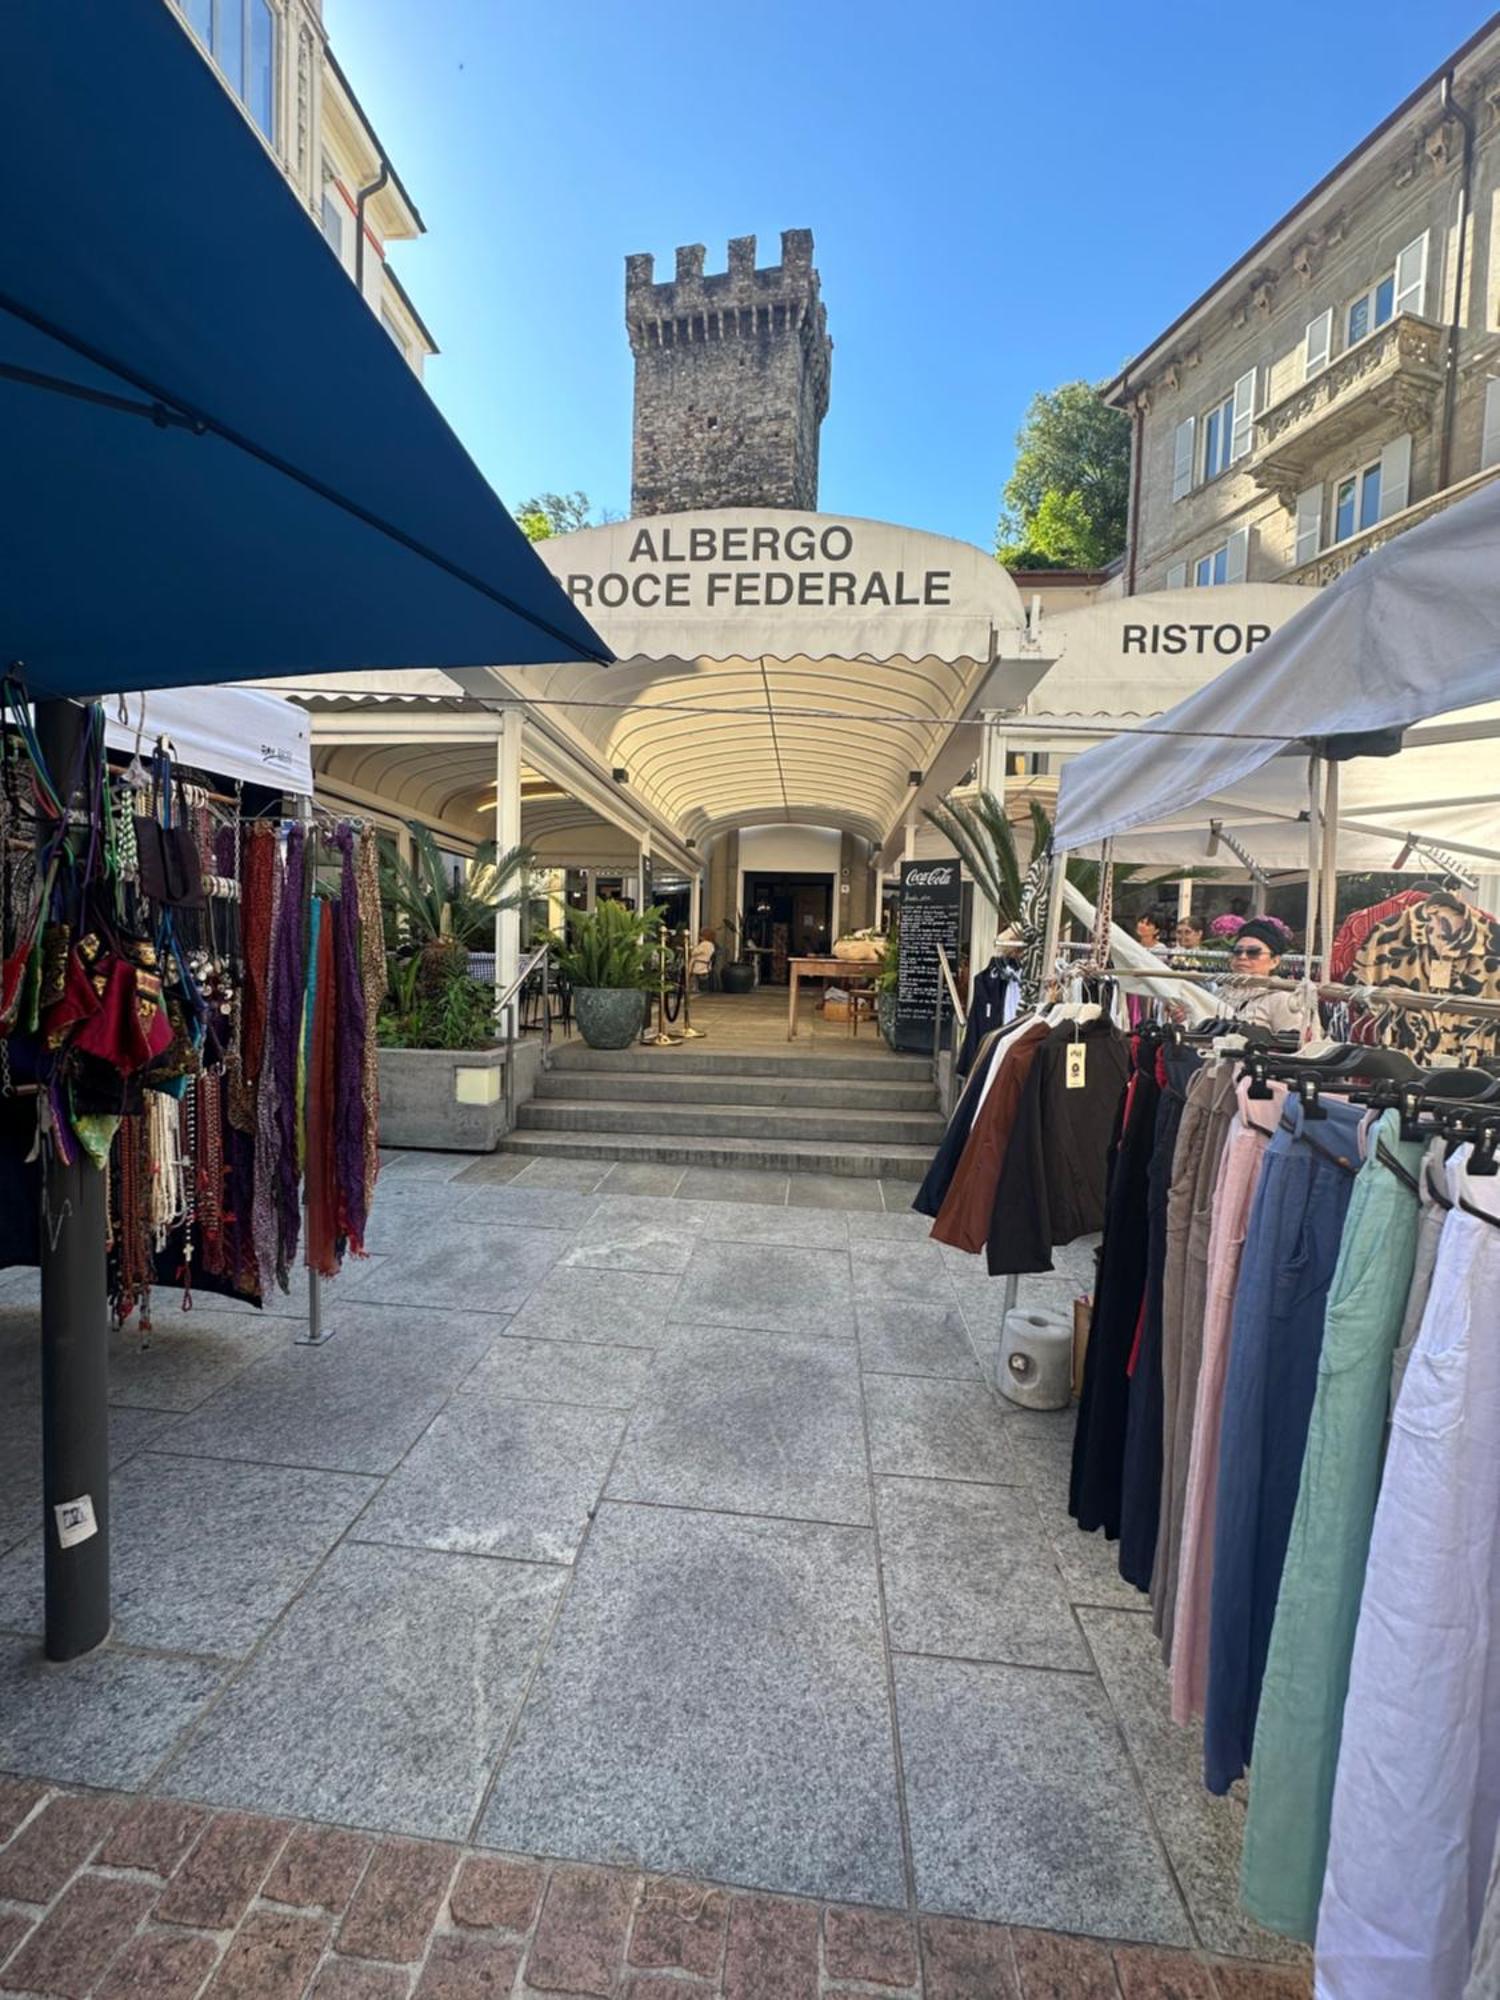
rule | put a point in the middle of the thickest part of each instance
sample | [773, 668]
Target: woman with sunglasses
[1255, 953]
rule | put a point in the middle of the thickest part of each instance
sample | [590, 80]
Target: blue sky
[1002, 198]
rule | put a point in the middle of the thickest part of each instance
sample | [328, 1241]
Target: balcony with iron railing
[1393, 378]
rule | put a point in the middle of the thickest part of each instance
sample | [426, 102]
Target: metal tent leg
[75, 1341]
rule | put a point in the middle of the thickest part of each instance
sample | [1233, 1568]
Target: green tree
[1068, 495]
[549, 514]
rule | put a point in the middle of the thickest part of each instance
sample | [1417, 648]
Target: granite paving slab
[470, 1267]
[787, 1291]
[411, 1165]
[20, 1351]
[914, 1339]
[383, 1697]
[293, 1302]
[733, 1184]
[522, 1204]
[576, 1176]
[636, 1233]
[493, 1170]
[1089, 1565]
[714, 1700]
[835, 1191]
[498, 1478]
[1201, 1833]
[21, 1458]
[190, 1355]
[105, 1720]
[643, 1177]
[898, 1223]
[560, 1371]
[772, 1222]
[759, 1424]
[356, 1405]
[617, 1309]
[969, 1574]
[204, 1555]
[407, 1211]
[887, 1269]
[1023, 1807]
[932, 1429]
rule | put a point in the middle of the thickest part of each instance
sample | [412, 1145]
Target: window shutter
[1411, 276]
[1395, 475]
[1244, 416]
[1182, 459]
[1309, 522]
[1177, 576]
[1319, 343]
[1489, 448]
[1237, 561]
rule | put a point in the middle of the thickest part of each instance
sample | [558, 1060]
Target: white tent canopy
[778, 666]
[1411, 631]
[235, 732]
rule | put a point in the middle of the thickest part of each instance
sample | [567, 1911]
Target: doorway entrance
[788, 916]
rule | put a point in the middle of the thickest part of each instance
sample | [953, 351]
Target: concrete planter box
[609, 1017]
[448, 1100]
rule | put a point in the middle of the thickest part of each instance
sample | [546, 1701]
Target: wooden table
[851, 970]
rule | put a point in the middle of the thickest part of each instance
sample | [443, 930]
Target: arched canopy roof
[774, 666]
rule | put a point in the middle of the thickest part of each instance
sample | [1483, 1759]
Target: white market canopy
[235, 732]
[779, 666]
[1410, 632]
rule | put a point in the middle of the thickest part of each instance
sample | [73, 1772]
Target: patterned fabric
[1031, 929]
[1353, 931]
[1436, 946]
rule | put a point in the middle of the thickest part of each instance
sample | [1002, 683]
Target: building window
[1218, 431]
[240, 36]
[1356, 502]
[1228, 563]
[393, 328]
[1370, 310]
[333, 212]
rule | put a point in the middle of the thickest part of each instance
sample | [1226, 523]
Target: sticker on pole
[75, 1521]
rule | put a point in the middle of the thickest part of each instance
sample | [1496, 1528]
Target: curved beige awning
[776, 666]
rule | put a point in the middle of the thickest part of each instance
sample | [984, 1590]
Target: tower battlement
[731, 378]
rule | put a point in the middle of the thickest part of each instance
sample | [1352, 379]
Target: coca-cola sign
[930, 900]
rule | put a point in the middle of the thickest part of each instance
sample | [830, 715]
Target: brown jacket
[964, 1218]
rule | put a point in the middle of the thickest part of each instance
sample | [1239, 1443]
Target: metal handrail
[961, 1021]
[960, 1014]
[505, 1008]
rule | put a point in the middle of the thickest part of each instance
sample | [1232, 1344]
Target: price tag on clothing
[1077, 1069]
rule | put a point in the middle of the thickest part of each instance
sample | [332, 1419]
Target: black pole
[75, 1333]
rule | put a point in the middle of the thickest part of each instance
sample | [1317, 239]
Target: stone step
[735, 1121]
[789, 1156]
[800, 1093]
[875, 1065]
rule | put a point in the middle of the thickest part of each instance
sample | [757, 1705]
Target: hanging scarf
[288, 978]
[322, 1095]
[1031, 929]
[265, 1172]
[349, 1053]
[373, 967]
[257, 900]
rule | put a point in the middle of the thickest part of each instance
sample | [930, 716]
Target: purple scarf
[349, 1052]
[288, 981]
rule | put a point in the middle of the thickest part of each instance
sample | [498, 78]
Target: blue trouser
[1290, 1253]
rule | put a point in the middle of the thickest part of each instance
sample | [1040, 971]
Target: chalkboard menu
[930, 893]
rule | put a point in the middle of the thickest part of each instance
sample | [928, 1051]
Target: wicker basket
[860, 951]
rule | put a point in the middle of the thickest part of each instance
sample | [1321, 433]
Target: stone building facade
[731, 379]
[1342, 381]
[274, 60]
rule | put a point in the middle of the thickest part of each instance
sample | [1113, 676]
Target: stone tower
[731, 380]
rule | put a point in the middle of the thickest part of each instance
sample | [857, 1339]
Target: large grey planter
[445, 1100]
[739, 977]
[609, 1017]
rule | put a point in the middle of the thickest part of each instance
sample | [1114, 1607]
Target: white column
[695, 910]
[911, 839]
[877, 879]
[590, 888]
[1184, 898]
[507, 836]
[1487, 893]
[643, 869]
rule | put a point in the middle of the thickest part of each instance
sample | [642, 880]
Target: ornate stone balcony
[1396, 373]
[1333, 562]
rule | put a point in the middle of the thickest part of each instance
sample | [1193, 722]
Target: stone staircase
[866, 1116]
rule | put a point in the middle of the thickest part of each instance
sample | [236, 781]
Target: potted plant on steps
[441, 1067]
[607, 960]
[888, 980]
[738, 975]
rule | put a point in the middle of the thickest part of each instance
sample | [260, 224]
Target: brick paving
[103, 1898]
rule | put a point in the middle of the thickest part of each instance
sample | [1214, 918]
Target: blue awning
[214, 463]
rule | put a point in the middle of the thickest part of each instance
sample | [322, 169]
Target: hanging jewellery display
[661, 1039]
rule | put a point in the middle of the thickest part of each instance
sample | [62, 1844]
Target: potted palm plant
[607, 959]
[441, 1067]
